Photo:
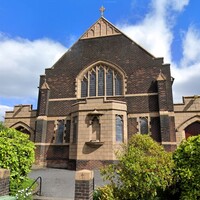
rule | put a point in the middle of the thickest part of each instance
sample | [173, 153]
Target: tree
[143, 169]
[16, 154]
[187, 168]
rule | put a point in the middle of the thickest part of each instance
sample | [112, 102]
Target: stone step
[50, 198]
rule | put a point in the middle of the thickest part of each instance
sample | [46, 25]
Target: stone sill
[94, 143]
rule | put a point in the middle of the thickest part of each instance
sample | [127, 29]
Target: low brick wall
[4, 181]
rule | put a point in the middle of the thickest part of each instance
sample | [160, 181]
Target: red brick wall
[55, 156]
[92, 164]
[132, 127]
[141, 68]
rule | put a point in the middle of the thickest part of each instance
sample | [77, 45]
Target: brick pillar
[4, 181]
[84, 185]
[167, 125]
[40, 139]
[41, 122]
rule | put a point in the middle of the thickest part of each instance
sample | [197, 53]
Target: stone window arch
[181, 130]
[187, 122]
[193, 129]
[24, 128]
[101, 79]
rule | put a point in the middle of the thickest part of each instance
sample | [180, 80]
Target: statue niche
[95, 129]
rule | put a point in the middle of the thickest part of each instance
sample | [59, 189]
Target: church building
[103, 90]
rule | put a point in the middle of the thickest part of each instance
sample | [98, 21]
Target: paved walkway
[59, 184]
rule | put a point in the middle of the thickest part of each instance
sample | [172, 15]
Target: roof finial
[102, 9]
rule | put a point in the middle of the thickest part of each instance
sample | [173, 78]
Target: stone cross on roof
[102, 9]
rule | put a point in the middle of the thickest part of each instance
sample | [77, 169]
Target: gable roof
[102, 28]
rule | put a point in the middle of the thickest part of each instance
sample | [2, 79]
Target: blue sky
[35, 33]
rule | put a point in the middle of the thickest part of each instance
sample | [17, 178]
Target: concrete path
[59, 184]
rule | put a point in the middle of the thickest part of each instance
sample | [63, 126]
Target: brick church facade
[103, 90]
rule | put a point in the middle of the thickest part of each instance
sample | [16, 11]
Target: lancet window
[62, 131]
[144, 126]
[119, 128]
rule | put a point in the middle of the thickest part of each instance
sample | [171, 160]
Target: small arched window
[119, 128]
[101, 80]
[144, 127]
[60, 131]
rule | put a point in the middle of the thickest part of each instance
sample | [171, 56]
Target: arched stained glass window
[119, 129]
[93, 84]
[109, 83]
[101, 80]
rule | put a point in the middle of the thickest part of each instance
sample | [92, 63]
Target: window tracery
[101, 80]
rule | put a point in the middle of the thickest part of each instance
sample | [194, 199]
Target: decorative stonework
[161, 77]
[22, 118]
[100, 29]
[45, 86]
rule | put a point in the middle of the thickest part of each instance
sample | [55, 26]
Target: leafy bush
[143, 169]
[16, 154]
[104, 193]
[24, 192]
[187, 168]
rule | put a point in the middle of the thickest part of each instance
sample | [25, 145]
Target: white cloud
[179, 5]
[22, 62]
[149, 34]
[154, 31]
[187, 75]
[155, 34]
[191, 47]
[4, 108]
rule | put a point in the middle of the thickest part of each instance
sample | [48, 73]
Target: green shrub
[187, 168]
[104, 193]
[143, 169]
[16, 154]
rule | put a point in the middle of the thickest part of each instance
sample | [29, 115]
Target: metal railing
[39, 192]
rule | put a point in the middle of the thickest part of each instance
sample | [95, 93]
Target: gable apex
[101, 28]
